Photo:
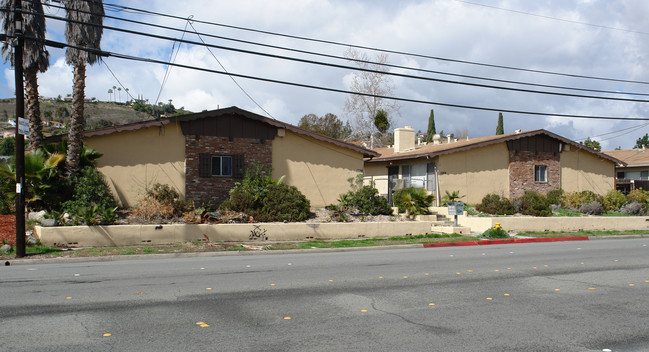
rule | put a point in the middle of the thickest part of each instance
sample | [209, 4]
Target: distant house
[202, 155]
[506, 165]
[55, 124]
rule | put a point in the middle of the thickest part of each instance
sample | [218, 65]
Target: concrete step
[426, 218]
[443, 223]
[462, 230]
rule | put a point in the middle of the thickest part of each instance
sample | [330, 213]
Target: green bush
[532, 203]
[638, 195]
[575, 200]
[365, 200]
[495, 232]
[92, 203]
[495, 204]
[265, 199]
[614, 200]
[283, 203]
[554, 196]
[413, 201]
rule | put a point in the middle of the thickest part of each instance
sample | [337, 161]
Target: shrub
[576, 199]
[364, 199]
[614, 200]
[265, 199]
[532, 203]
[92, 203]
[554, 196]
[495, 232]
[633, 208]
[638, 195]
[592, 208]
[162, 203]
[495, 204]
[283, 203]
[413, 201]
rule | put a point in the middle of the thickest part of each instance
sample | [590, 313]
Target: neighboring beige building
[635, 174]
[202, 155]
[507, 165]
[637, 164]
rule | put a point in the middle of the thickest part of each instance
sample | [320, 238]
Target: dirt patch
[8, 229]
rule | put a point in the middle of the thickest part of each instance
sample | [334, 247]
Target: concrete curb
[506, 241]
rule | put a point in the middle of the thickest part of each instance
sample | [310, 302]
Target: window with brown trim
[540, 173]
[210, 165]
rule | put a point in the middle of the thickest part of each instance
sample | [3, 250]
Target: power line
[302, 85]
[232, 78]
[172, 58]
[244, 51]
[554, 18]
[373, 63]
[348, 45]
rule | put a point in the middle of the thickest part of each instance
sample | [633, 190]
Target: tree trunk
[77, 121]
[33, 109]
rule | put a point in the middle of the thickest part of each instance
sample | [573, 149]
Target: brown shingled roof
[432, 150]
[632, 157]
[222, 112]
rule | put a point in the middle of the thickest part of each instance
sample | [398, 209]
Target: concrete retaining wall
[124, 235]
[559, 224]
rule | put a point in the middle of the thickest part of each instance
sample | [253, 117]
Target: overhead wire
[338, 57]
[388, 51]
[232, 78]
[295, 59]
[328, 89]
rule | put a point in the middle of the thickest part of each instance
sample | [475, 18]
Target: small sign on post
[23, 126]
[456, 209]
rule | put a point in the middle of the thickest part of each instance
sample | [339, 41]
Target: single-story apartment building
[202, 155]
[637, 163]
[635, 173]
[507, 165]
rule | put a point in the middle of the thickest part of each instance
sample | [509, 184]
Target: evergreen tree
[381, 121]
[500, 129]
[642, 142]
[592, 144]
[431, 127]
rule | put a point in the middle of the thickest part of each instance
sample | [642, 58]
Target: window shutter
[204, 165]
[237, 166]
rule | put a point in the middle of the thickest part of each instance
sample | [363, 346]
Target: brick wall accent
[521, 172]
[215, 189]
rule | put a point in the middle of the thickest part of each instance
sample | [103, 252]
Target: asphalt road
[562, 296]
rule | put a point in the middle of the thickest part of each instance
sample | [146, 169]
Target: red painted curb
[505, 241]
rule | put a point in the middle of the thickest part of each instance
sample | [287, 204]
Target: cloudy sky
[599, 38]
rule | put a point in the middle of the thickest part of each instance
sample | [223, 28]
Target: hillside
[98, 114]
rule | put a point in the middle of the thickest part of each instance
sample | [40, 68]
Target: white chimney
[418, 140]
[437, 139]
[404, 139]
[448, 138]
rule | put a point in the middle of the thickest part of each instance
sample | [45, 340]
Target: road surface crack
[431, 328]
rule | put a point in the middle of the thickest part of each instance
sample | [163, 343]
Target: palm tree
[110, 94]
[83, 29]
[35, 59]
[119, 90]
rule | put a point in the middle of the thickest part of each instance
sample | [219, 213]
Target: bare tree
[371, 83]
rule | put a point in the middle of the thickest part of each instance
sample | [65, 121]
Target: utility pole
[20, 139]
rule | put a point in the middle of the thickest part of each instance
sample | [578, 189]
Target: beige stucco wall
[136, 160]
[123, 235]
[581, 170]
[378, 174]
[318, 169]
[475, 172]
